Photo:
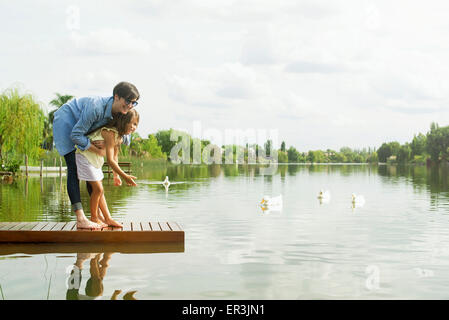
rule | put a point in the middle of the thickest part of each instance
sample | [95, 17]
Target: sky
[319, 74]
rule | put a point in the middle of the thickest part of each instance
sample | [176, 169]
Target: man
[78, 117]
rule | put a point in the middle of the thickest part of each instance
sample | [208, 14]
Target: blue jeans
[73, 183]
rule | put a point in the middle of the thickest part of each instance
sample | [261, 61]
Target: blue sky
[324, 74]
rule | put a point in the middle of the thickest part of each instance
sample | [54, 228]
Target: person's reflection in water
[94, 286]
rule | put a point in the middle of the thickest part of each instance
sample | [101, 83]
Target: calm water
[396, 246]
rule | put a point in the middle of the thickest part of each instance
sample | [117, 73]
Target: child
[89, 164]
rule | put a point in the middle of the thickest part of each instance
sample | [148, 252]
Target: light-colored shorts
[86, 171]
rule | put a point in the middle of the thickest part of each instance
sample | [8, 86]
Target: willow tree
[21, 124]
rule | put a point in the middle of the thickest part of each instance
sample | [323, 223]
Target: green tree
[373, 158]
[384, 152]
[292, 155]
[340, 158]
[316, 156]
[58, 102]
[418, 145]
[151, 146]
[283, 146]
[163, 139]
[438, 142]
[387, 150]
[21, 124]
[282, 156]
[395, 147]
[268, 146]
[347, 154]
[404, 154]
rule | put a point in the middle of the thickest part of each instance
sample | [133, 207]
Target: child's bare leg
[97, 192]
[107, 216]
[101, 217]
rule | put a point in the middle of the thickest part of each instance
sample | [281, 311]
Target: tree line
[26, 129]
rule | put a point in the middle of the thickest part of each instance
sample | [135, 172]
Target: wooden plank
[136, 226]
[90, 236]
[69, 226]
[59, 226]
[164, 226]
[145, 226]
[49, 226]
[126, 226]
[155, 226]
[7, 225]
[174, 226]
[62, 232]
[18, 226]
[113, 229]
[39, 226]
[133, 248]
[29, 226]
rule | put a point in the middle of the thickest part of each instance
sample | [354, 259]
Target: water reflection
[46, 199]
[93, 259]
[99, 263]
[244, 251]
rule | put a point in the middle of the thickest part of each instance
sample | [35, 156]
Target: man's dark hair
[126, 90]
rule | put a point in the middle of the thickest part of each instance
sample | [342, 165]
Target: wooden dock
[67, 232]
[88, 247]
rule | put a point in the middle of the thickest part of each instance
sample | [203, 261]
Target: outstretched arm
[110, 144]
[117, 180]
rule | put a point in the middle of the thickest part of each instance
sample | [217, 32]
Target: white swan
[166, 182]
[358, 200]
[324, 196]
[270, 209]
[272, 202]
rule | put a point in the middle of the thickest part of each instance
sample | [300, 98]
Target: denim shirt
[75, 119]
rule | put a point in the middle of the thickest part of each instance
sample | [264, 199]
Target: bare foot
[86, 224]
[101, 217]
[84, 256]
[100, 223]
[113, 223]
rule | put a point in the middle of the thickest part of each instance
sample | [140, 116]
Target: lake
[394, 246]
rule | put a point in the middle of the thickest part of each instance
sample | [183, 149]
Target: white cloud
[96, 82]
[257, 48]
[213, 87]
[108, 41]
[319, 71]
[313, 67]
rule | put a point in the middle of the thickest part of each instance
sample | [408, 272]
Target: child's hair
[94, 287]
[120, 121]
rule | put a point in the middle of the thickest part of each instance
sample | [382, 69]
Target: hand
[117, 181]
[99, 144]
[130, 180]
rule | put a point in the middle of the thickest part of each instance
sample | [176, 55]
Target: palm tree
[48, 124]
[58, 102]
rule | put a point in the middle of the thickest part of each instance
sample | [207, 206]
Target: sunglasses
[128, 102]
